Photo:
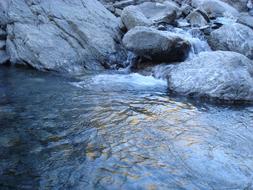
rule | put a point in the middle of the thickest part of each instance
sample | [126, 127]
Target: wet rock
[198, 18]
[233, 37]
[132, 16]
[156, 45]
[61, 35]
[246, 19]
[216, 8]
[221, 74]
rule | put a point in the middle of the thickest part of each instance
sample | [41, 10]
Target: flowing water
[117, 131]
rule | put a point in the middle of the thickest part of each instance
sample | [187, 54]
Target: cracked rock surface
[62, 35]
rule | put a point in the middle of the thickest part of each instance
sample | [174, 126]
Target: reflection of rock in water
[56, 136]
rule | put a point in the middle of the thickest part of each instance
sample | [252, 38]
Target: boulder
[61, 35]
[220, 75]
[240, 5]
[156, 45]
[132, 16]
[160, 12]
[216, 8]
[233, 37]
[198, 18]
[148, 13]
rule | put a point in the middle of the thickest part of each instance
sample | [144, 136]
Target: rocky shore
[78, 35]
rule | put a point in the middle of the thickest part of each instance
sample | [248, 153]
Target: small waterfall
[130, 61]
[195, 38]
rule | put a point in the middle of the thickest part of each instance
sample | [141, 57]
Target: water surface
[117, 131]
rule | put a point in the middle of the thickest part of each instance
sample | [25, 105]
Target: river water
[117, 131]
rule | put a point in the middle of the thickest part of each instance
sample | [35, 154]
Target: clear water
[117, 131]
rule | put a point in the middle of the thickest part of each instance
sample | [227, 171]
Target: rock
[3, 34]
[3, 16]
[3, 57]
[64, 36]
[156, 45]
[221, 74]
[123, 4]
[240, 5]
[251, 12]
[198, 18]
[246, 19]
[186, 9]
[148, 13]
[2, 45]
[132, 16]
[233, 37]
[160, 12]
[118, 12]
[250, 4]
[216, 8]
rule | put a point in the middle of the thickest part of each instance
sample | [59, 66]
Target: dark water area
[117, 131]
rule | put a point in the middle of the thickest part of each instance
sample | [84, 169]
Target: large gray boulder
[132, 16]
[233, 37]
[221, 74]
[216, 8]
[160, 12]
[62, 35]
[148, 13]
[156, 45]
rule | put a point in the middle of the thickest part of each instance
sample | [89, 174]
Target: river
[117, 131]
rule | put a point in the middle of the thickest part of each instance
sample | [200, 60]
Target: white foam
[119, 82]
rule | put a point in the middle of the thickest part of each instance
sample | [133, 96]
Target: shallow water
[117, 131]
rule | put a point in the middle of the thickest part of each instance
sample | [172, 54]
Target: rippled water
[117, 131]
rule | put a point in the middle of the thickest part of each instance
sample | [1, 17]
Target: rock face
[62, 35]
[156, 45]
[234, 37]
[223, 75]
[216, 8]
